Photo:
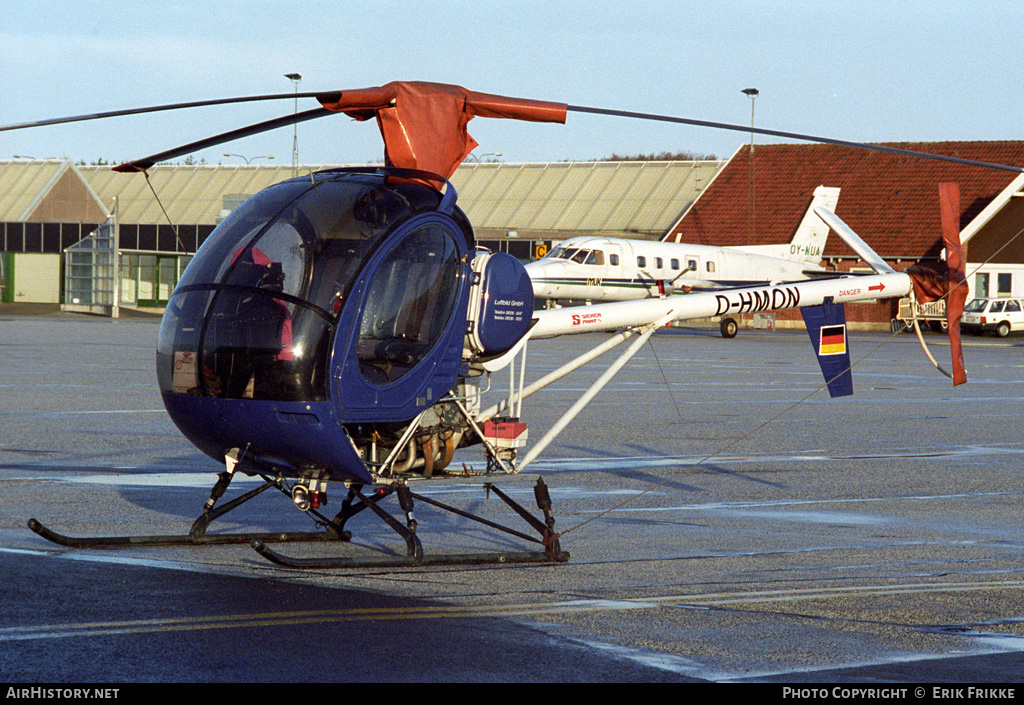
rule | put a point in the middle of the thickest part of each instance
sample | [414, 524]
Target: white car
[997, 315]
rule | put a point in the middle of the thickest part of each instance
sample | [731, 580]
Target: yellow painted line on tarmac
[765, 596]
[272, 619]
[278, 619]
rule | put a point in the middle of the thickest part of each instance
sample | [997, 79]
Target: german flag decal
[833, 340]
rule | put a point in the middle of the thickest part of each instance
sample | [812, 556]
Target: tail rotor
[947, 280]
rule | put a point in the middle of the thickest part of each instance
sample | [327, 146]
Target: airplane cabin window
[614, 260]
[641, 261]
[711, 266]
[659, 262]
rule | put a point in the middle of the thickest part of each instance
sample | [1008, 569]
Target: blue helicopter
[336, 328]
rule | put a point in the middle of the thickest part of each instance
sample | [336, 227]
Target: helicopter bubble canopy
[325, 300]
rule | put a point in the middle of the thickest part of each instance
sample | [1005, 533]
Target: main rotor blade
[169, 106]
[791, 135]
[145, 163]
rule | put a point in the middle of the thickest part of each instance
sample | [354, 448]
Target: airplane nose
[539, 272]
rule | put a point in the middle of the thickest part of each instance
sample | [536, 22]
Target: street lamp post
[480, 157]
[248, 160]
[752, 93]
[295, 78]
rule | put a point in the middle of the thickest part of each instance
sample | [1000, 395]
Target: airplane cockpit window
[409, 303]
[580, 256]
[253, 315]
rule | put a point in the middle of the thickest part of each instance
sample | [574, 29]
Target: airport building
[890, 200]
[64, 226]
[92, 239]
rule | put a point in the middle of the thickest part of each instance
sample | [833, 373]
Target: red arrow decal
[877, 287]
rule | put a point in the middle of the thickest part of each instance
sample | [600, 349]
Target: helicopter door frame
[430, 376]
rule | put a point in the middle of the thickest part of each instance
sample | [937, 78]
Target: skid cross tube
[414, 553]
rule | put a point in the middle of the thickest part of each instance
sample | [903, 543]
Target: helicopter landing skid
[414, 556]
[197, 535]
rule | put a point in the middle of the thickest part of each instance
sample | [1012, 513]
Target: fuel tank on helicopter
[322, 308]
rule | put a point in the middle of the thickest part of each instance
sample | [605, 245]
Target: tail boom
[627, 314]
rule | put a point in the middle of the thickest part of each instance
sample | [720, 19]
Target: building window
[1004, 281]
[981, 284]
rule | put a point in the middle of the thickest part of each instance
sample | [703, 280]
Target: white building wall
[36, 278]
[976, 277]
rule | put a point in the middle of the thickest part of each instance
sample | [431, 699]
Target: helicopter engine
[335, 326]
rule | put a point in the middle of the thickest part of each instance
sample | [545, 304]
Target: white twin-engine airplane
[593, 269]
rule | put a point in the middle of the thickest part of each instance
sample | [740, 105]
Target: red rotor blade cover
[424, 124]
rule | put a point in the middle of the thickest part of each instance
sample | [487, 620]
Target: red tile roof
[891, 201]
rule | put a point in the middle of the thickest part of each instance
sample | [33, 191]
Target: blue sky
[864, 71]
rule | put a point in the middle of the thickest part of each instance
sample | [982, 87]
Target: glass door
[158, 274]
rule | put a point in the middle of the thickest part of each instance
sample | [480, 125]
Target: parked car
[1000, 316]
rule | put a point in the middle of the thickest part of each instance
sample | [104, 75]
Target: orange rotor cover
[424, 124]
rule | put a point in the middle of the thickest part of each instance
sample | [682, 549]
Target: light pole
[489, 154]
[752, 93]
[248, 160]
[295, 78]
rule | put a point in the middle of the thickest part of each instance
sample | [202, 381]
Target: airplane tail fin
[808, 241]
